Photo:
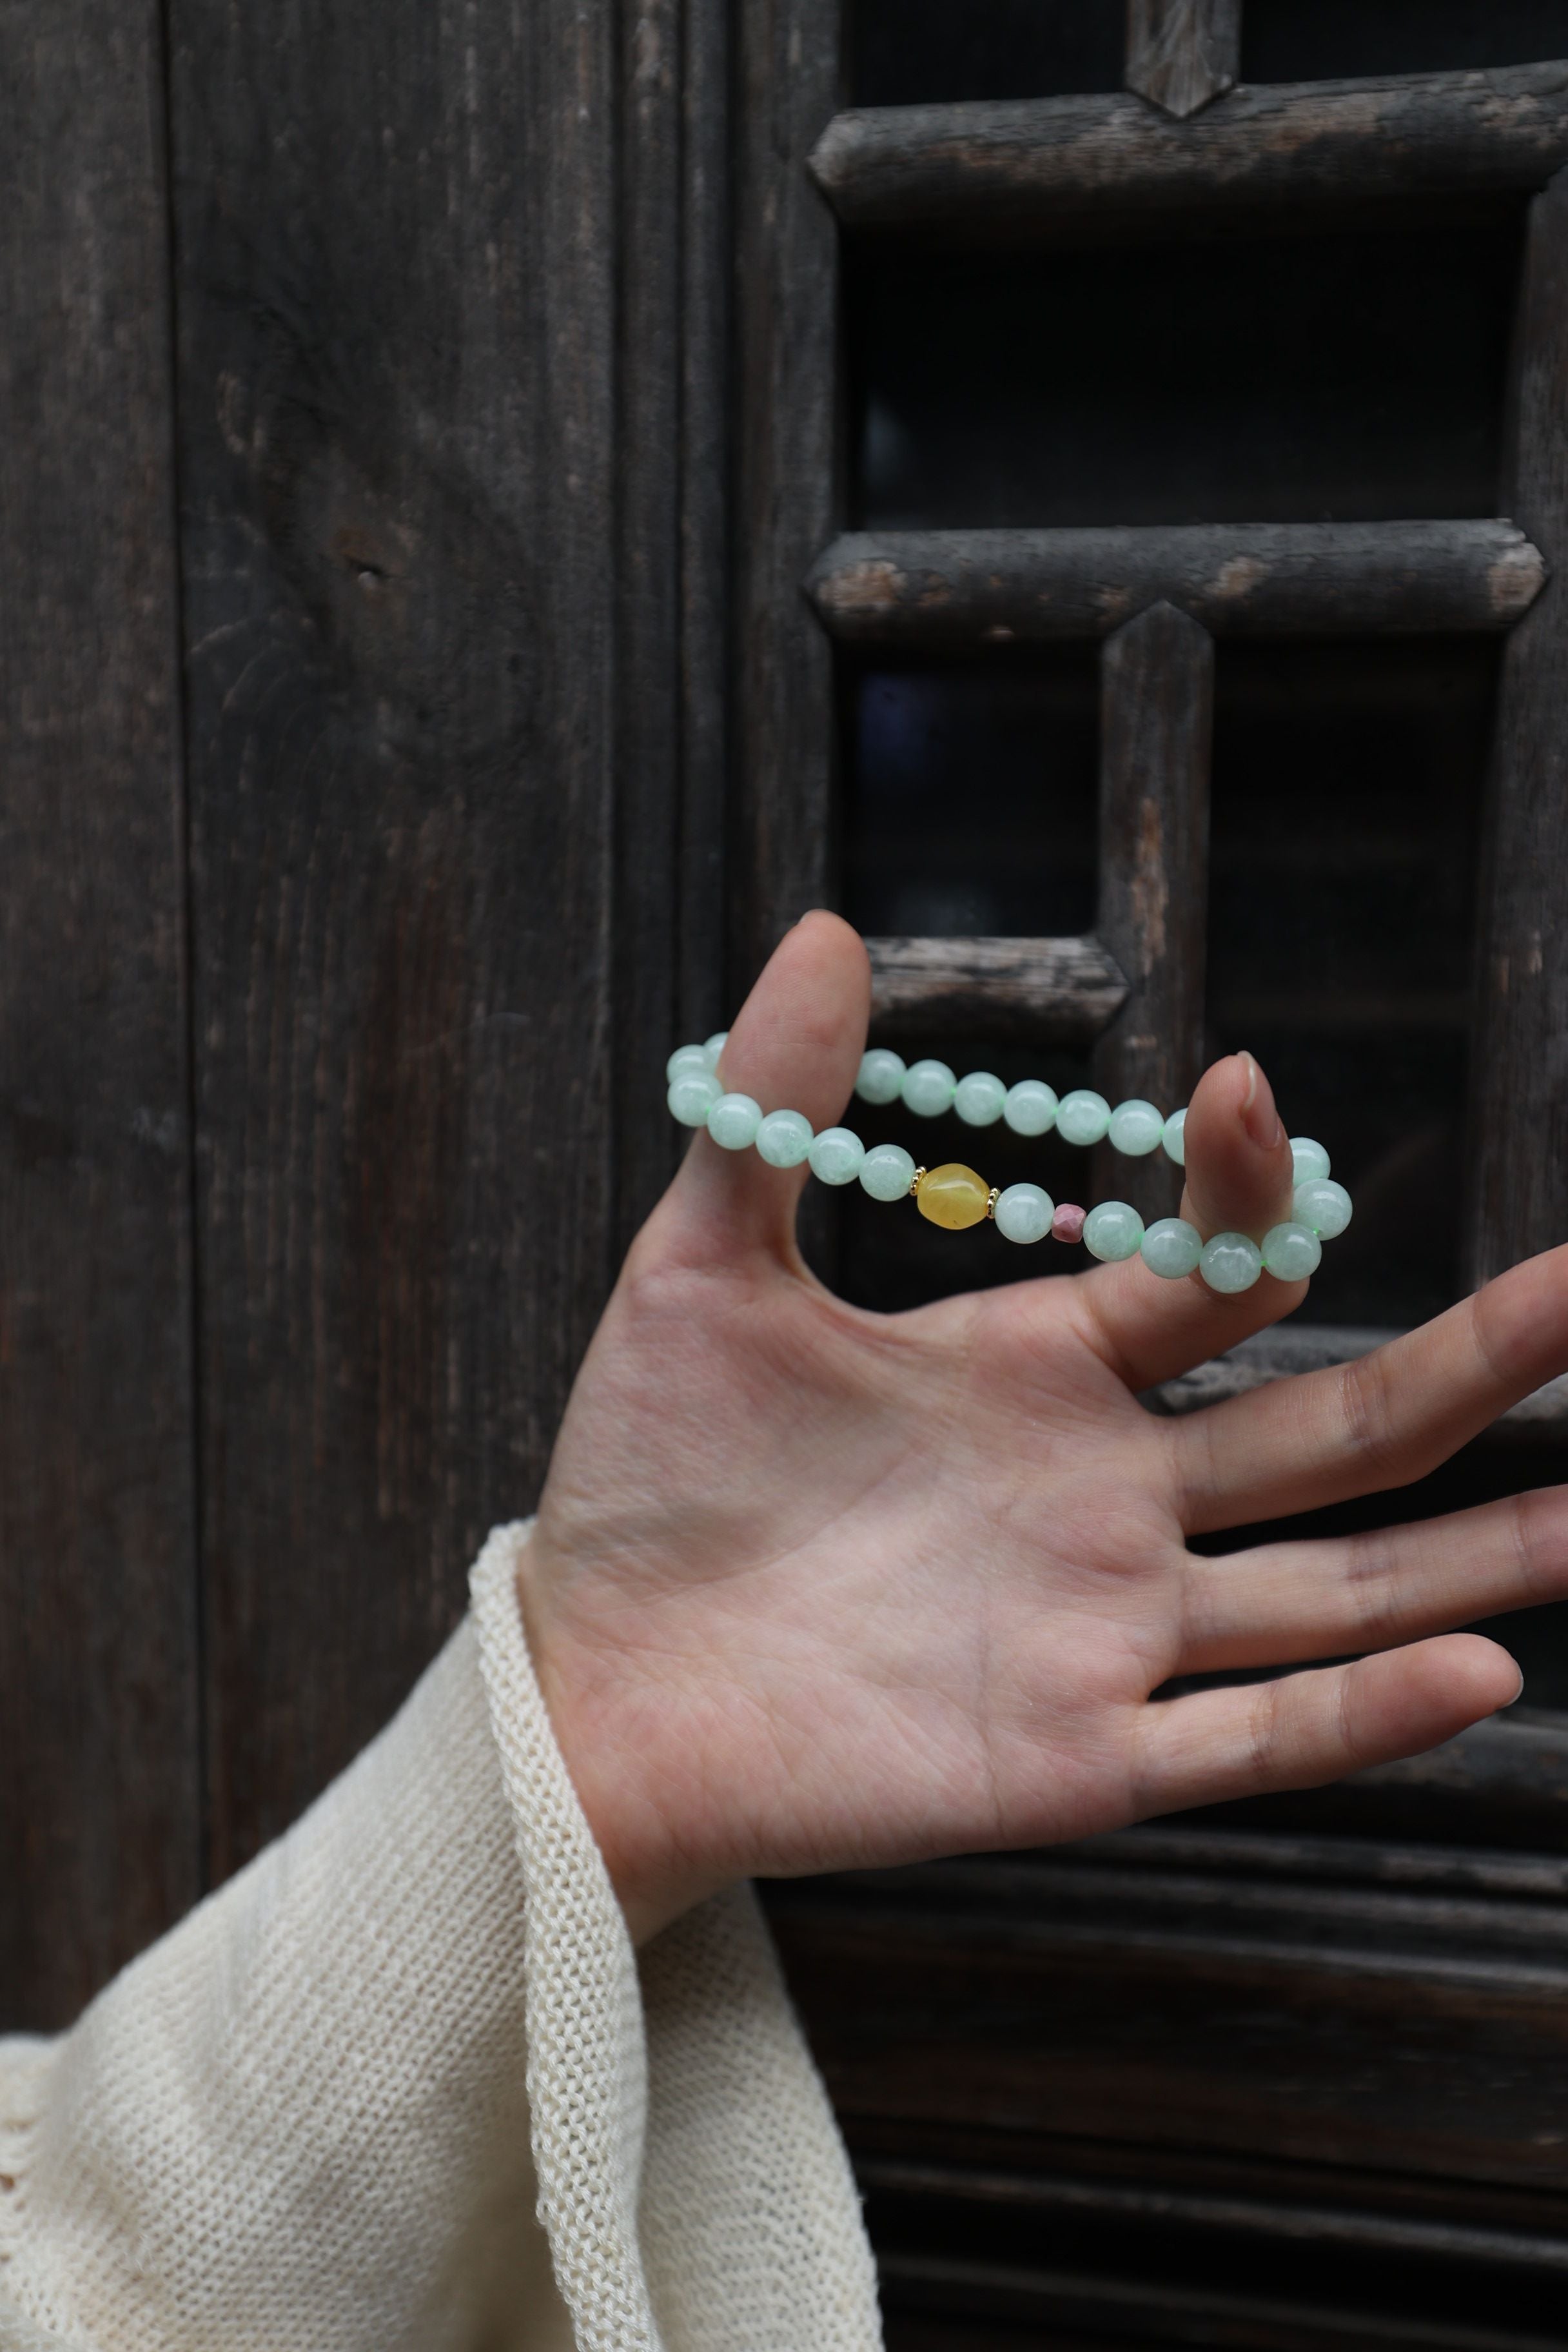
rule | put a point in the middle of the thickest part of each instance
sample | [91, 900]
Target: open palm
[813, 1587]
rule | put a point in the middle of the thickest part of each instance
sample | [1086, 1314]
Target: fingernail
[1258, 1116]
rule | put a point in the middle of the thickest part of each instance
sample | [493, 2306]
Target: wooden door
[1179, 519]
[361, 694]
[460, 604]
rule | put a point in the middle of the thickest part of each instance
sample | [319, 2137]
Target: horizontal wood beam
[1016, 160]
[955, 589]
[1051, 991]
[1279, 1354]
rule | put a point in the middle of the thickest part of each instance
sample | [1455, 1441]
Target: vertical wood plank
[671, 645]
[787, 495]
[396, 239]
[1156, 729]
[1519, 1084]
[707, 466]
[98, 1812]
[1182, 53]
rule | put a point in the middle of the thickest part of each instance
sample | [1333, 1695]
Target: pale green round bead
[1113, 1231]
[1083, 1117]
[1230, 1263]
[835, 1156]
[1174, 1139]
[887, 1172]
[1308, 1159]
[1172, 1248]
[1031, 1107]
[1291, 1253]
[979, 1098]
[714, 1046]
[1024, 1213]
[684, 1057]
[927, 1088]
[692, 1095]
[733, 1121]
[881, 1076]
[783, 1138]
[1324, 1205]
[1135, 1129]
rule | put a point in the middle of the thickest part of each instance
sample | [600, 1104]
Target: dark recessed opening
[970, 799]
[907, 52]
[1326, 40]
[1346, 794]
[970, 806]
[1352, 376]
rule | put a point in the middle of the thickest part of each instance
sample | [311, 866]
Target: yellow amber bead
[954, 1196]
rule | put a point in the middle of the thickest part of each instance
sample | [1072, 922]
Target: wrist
[602, 1722]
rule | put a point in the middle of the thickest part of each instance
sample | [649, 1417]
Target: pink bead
[1067, 1226]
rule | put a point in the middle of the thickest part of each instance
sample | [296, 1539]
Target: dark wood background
[363, 725]
[419, 426]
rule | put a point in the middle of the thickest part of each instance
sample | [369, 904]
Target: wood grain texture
[1156, 730]
[704, 325]
[1182, 53]
[99, 1817]
[1409, 2033]
[672, 646]
[1016, 161]
[1519, 1083]
[395, 251]
[1060, 992]
[950, 590]
[788, 492]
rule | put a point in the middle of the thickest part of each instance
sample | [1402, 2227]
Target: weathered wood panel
[787, 497]
[707, 437]
[1022, 160]
[1519, 1083]
[950, 590]
[1135, 1998]
[1182, 53]
[1057, 991]
[396, 254]
[99, 1817]
[1156, 732]
[671, 652]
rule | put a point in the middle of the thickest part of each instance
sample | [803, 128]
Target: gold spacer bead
[916, 1181]
[991, 1204]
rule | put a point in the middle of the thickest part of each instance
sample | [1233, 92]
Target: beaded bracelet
[956, 1197]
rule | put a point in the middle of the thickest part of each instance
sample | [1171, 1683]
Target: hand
[812, 1587]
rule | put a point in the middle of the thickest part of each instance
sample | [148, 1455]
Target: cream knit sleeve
[320, 2116]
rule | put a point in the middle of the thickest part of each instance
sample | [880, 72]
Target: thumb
[795, 1045]
[1239, 1176]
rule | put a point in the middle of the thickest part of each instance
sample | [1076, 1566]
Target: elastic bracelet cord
[954, 1197]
